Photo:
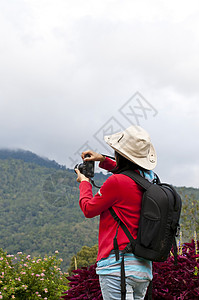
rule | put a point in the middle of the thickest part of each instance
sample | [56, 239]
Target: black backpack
[158, 224]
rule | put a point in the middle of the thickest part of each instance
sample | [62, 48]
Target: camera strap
[93, 183]
[111, 157]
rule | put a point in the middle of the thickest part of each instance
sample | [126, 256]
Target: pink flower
[24, 286]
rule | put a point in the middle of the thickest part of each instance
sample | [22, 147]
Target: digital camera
[86, 168]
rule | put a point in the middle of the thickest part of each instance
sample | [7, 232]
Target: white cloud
[68, 66]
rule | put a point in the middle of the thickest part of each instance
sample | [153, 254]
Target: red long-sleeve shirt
[124, 195]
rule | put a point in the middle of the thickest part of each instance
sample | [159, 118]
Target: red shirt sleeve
[108, 164]
[106, 197]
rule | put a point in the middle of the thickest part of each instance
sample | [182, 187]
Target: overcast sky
[72, 71]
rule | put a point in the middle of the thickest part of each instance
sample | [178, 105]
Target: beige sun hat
[134, 143]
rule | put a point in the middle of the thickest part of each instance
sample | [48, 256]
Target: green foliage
[190, 211]
[24, 278]
[35, 224]
[40, 213]
[84, 258]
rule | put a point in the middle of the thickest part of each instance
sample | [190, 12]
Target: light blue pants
[111, 289]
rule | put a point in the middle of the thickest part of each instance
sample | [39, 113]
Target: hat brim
[149, 162]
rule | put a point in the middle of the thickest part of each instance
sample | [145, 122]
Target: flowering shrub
[24, 278]
[181, 282]
[84, 285]
[170, 282]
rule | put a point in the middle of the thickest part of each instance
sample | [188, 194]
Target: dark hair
[124, 163]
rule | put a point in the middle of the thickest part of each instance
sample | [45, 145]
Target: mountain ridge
[40, 213]
[29, 156]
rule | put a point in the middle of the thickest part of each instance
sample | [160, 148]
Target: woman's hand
[93, 156]
[81, 177]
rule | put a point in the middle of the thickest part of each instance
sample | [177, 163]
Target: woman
[133, 150]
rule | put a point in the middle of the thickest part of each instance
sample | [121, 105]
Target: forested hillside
[39, 210]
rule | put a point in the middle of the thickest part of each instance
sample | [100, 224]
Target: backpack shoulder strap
[123, 226]
[126, 231]
[145, 184]
[137, 178]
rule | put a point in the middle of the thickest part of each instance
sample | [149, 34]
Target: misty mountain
[28, 156]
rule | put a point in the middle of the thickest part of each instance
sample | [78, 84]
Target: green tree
[84, 258]
[189, 217]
